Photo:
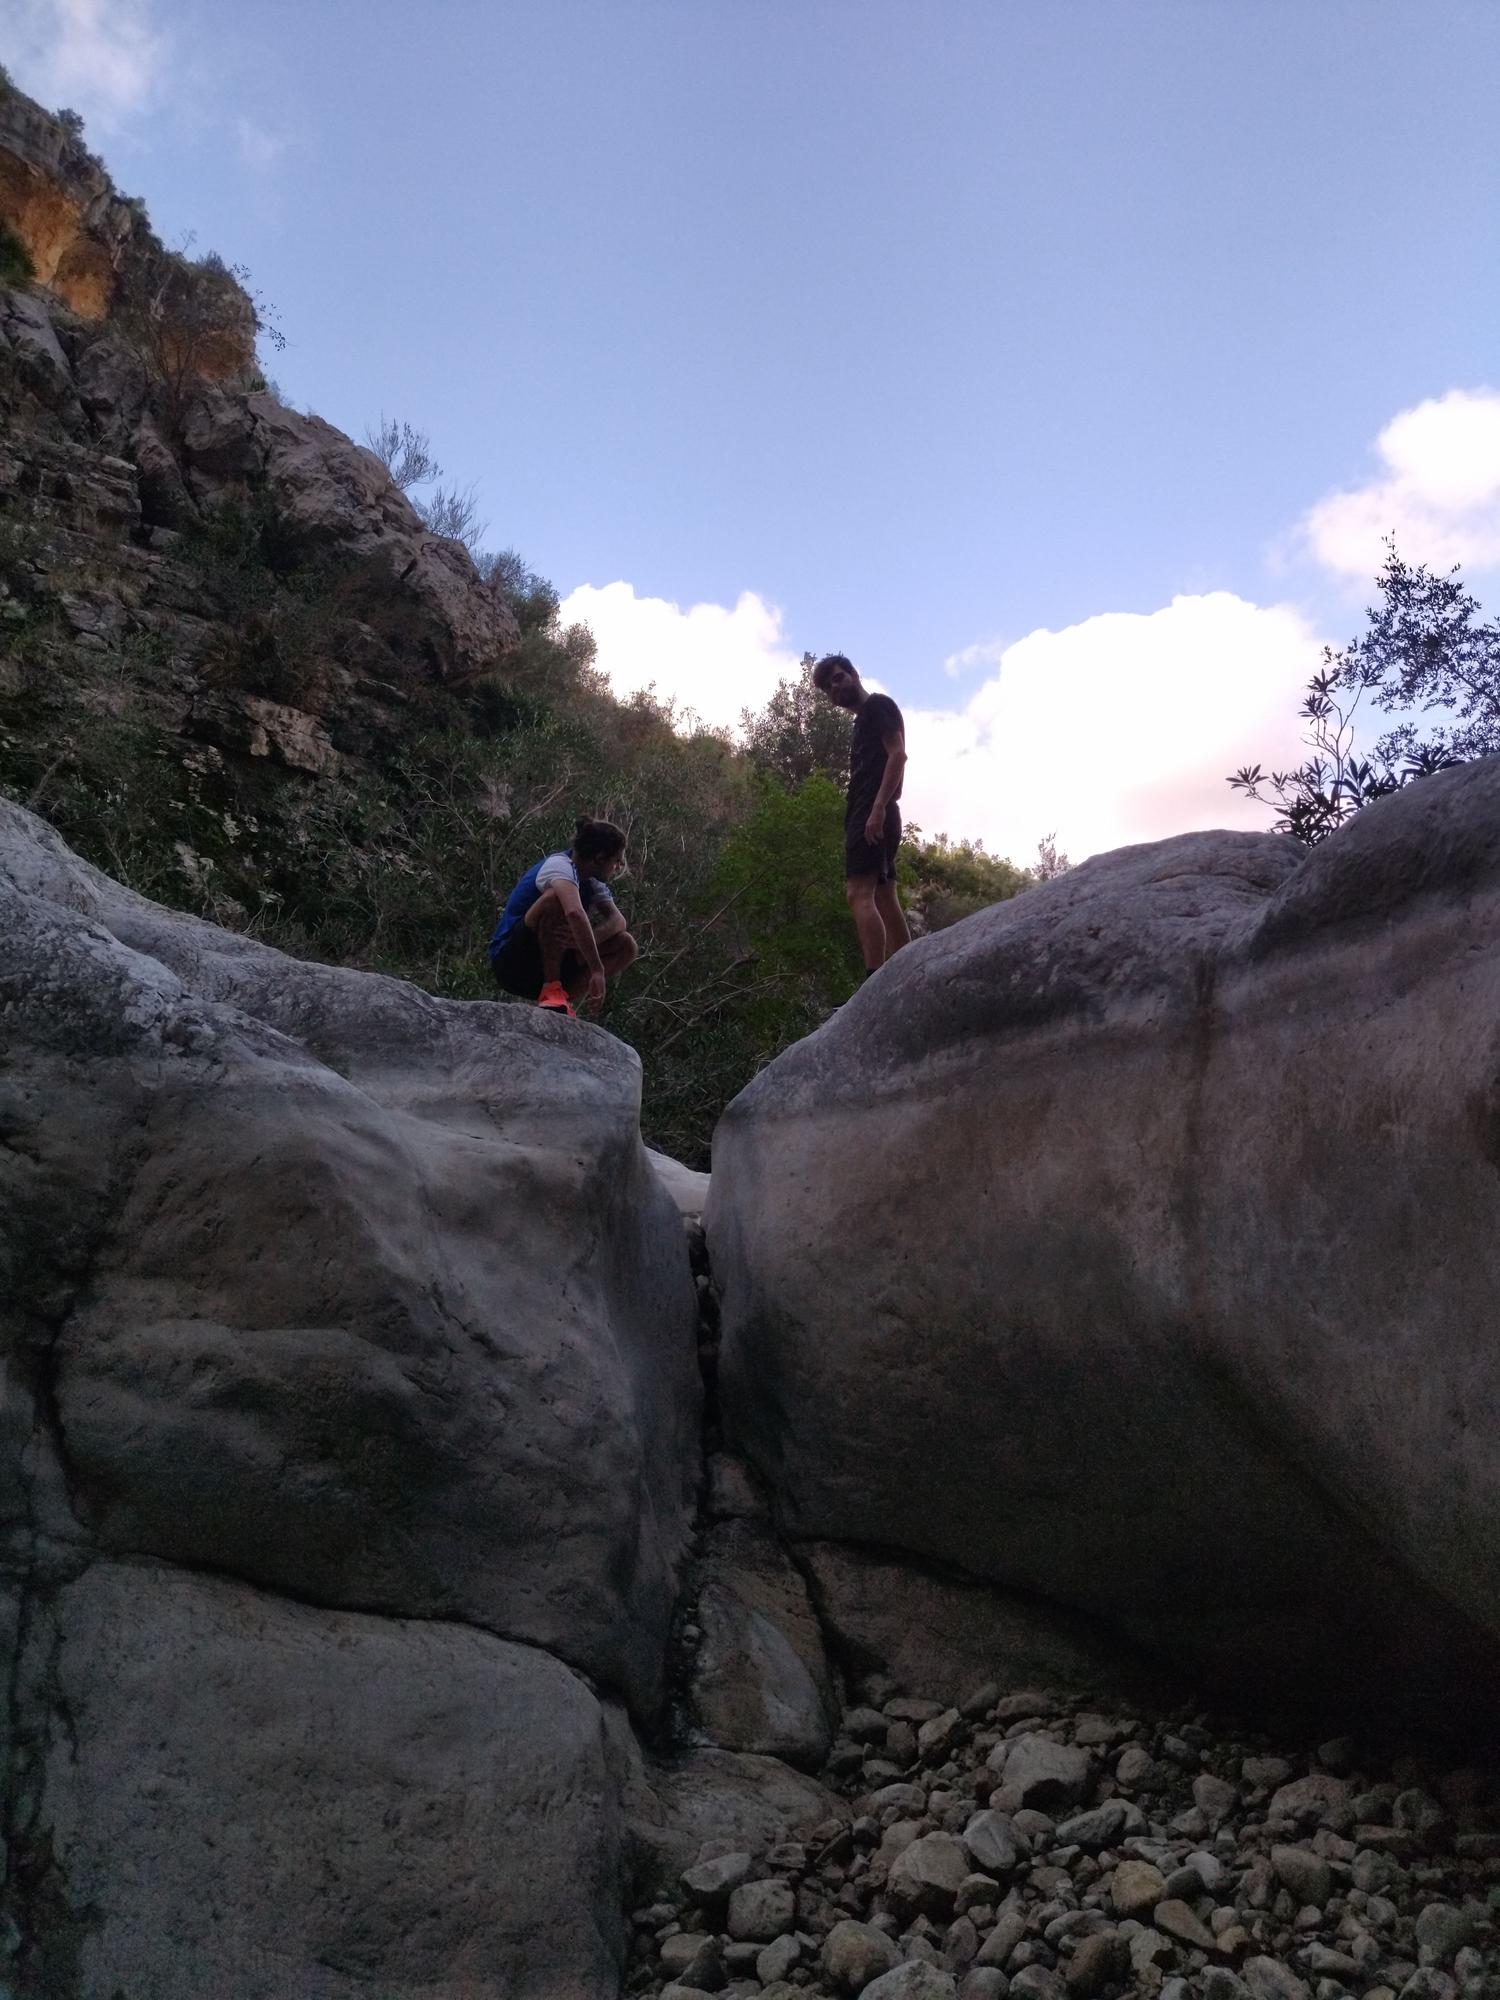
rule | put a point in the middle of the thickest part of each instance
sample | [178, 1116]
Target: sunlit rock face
[1136, 1243]
[351, 1420]
[90, 247]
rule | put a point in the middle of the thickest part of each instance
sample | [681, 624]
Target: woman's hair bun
[597, 837]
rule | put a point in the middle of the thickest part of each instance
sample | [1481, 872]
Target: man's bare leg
[892, 916]
[860, 890]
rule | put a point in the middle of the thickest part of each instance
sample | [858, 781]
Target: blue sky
[1020, 350]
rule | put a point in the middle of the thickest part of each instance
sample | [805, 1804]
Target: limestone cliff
[218, 616]
[90, 246]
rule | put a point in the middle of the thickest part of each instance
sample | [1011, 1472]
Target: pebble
[1180, 1921]
[1043, 1771]
[993, 1845]
[854, 1954]
[762, 1910]
[711, 1881]
[1136, 1888]
[913, 1981]
[928, 1874]
[1303, 1874]
[1096, 1961]
[777, 1959]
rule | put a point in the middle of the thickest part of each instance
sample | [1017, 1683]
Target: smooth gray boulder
[370, 1305]
[351, 1292]
[688, 1188]
[229, 1793]
[1167, 1197]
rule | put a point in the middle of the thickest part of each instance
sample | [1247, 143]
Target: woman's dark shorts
[517, 965]
[865, 857]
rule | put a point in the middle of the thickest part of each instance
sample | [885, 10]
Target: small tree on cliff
[450, 511]
[404, 451]
[191, 321]
[1427, 649]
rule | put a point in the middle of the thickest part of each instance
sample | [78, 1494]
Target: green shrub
[16, 268]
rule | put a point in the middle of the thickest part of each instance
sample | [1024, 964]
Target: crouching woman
[561, 934]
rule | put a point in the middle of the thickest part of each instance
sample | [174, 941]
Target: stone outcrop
[222, 607]
[1136, 1244]
[351, 1403]
[89, 245]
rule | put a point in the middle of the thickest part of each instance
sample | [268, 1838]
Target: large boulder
[357, 1294]
[1136, 1243]
[349, 1415]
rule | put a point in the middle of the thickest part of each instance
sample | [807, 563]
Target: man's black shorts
[517, 965]
[866, 857]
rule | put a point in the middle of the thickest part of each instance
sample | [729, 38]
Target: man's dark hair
[826, 666]
[597, 839]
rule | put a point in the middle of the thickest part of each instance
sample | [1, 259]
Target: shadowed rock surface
[372, 1301]
[1136, 1243]
[250, 1796]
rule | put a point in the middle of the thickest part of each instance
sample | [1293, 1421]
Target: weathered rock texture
[361, 1299]
[86, 242]
[1137, 1243]
[223, 628]
[239, 1795]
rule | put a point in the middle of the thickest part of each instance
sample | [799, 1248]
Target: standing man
[872, 819]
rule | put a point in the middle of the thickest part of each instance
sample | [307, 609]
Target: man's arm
[893, 742]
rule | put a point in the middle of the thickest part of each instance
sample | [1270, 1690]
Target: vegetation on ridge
[1427, 648]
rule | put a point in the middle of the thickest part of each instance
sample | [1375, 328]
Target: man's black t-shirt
[877, 716]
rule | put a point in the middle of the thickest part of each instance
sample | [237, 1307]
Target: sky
[1064, 362]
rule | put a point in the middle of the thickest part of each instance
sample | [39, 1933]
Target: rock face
[1167, 1198]
[237, 1794]
[761, 1682]
[336, 498]
[222, 626]
[356, 1298]
[85, 242]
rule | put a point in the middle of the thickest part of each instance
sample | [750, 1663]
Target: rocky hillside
[219, 617]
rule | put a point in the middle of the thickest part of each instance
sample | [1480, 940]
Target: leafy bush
[1427, 649]
[945, 881]
[16, 268]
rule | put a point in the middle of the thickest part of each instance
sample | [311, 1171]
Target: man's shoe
[554, 997]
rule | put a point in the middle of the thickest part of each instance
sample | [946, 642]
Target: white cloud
[1116, 730]
[707, 658]
[1439, 493]
[104, 58]
[985, 653]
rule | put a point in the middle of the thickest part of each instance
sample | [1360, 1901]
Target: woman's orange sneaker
[554, 997]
